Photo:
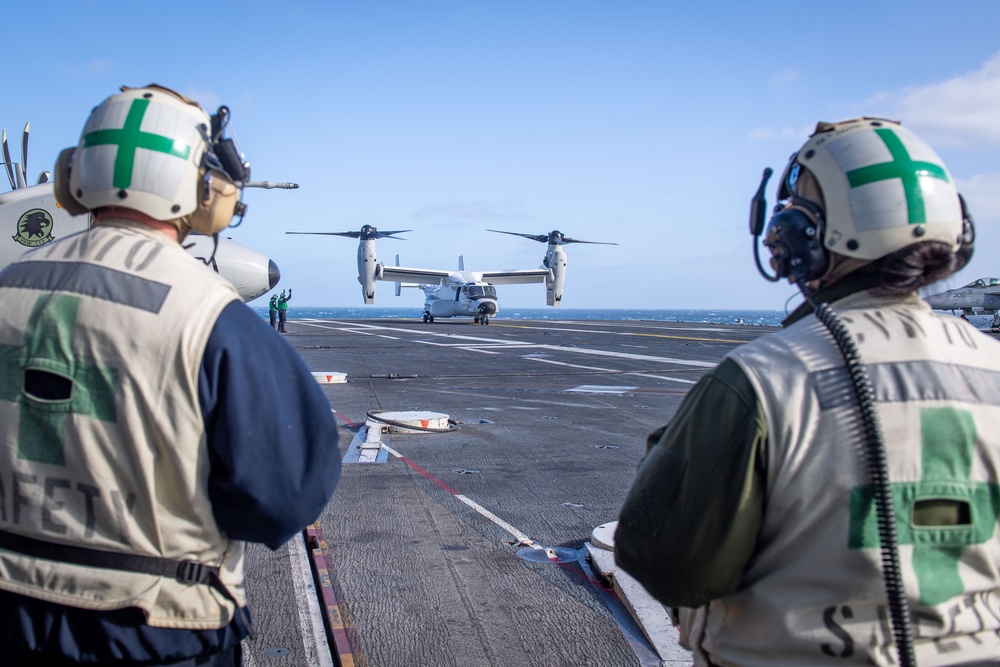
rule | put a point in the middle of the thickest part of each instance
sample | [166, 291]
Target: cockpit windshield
[984, 282]
[482, 291]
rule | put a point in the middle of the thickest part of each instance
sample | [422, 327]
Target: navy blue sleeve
[272, 437]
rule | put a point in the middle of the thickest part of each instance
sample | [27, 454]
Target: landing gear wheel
[476, 319]
[427, 317]
[485, 320]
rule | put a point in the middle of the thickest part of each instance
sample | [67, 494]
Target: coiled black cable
[878, 470]
[453, 424]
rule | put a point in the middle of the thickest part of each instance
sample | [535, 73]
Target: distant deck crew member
[140, 444]
[272, 311]
[283, 309]
[756, 511]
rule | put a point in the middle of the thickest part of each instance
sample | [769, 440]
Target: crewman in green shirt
[283, 309]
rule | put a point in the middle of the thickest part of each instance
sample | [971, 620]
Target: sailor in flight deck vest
[128, 454]
[94, 485]
[752, 513]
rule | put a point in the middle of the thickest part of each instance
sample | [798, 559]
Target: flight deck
[468, 542]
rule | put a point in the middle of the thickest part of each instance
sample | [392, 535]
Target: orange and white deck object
[329, 377]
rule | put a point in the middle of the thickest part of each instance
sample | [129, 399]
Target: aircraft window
[994, 281]
[479, 291]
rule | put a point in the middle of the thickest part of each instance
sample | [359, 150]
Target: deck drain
[277, 651]
[607, 447]
[464, 471]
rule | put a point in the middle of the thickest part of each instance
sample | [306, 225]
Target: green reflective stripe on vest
[902, 167]
[130, 138]
[48, 345]
[948, 438]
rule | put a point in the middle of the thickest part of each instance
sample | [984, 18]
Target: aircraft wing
[403, 274]
[516, 277]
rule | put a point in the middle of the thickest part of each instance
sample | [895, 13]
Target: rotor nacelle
[369, 270]
[554, 260]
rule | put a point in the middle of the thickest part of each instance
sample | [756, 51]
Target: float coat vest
[104, 479]
[813, 593]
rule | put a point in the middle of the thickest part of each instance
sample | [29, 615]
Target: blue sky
[642, 123]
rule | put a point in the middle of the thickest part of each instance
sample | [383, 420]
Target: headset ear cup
[967, 241]
[217, 200]
[60, 183]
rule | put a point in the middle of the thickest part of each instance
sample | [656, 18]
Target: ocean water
[746, 317]
[706, 316]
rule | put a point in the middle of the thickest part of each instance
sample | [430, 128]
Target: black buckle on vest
[192, 572]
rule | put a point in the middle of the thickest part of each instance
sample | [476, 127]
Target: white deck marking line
[513, 345]
[518, 535]
[664, 377]
[612, 370]
[563, 363]
[522, 343]
[315, 644]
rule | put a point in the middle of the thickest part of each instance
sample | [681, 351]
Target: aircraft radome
[459, 293]
[30, 217]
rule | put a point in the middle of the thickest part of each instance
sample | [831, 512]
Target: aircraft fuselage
[31, 218]
[475, 299]
[980, 296]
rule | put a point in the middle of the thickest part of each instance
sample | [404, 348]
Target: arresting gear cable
[184, 571]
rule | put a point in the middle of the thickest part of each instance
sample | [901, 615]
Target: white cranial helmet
[142, 149]
[155, 151]
[883, 188]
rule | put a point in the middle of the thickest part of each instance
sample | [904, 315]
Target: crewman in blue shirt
[150, 423]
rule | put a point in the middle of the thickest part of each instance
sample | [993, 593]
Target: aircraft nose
[488, 308]
[273, 274]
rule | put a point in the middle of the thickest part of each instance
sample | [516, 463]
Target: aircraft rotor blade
[370, 233]
[389, 235]
[566, 239]
[356, 235]
[541, 238]
[353, 235]
[6, 160]
[24, 151]
[555, 237]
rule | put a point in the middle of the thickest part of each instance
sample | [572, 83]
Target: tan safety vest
[813, 594]
[117, 467]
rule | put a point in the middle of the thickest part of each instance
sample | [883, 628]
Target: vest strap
[184, 571]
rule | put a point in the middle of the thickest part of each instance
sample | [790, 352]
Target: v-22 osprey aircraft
[30, 218]
[458, 293]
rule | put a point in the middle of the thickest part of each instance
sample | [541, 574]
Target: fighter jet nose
[273, 274]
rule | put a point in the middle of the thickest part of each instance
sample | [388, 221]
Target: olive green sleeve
[689, 523]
